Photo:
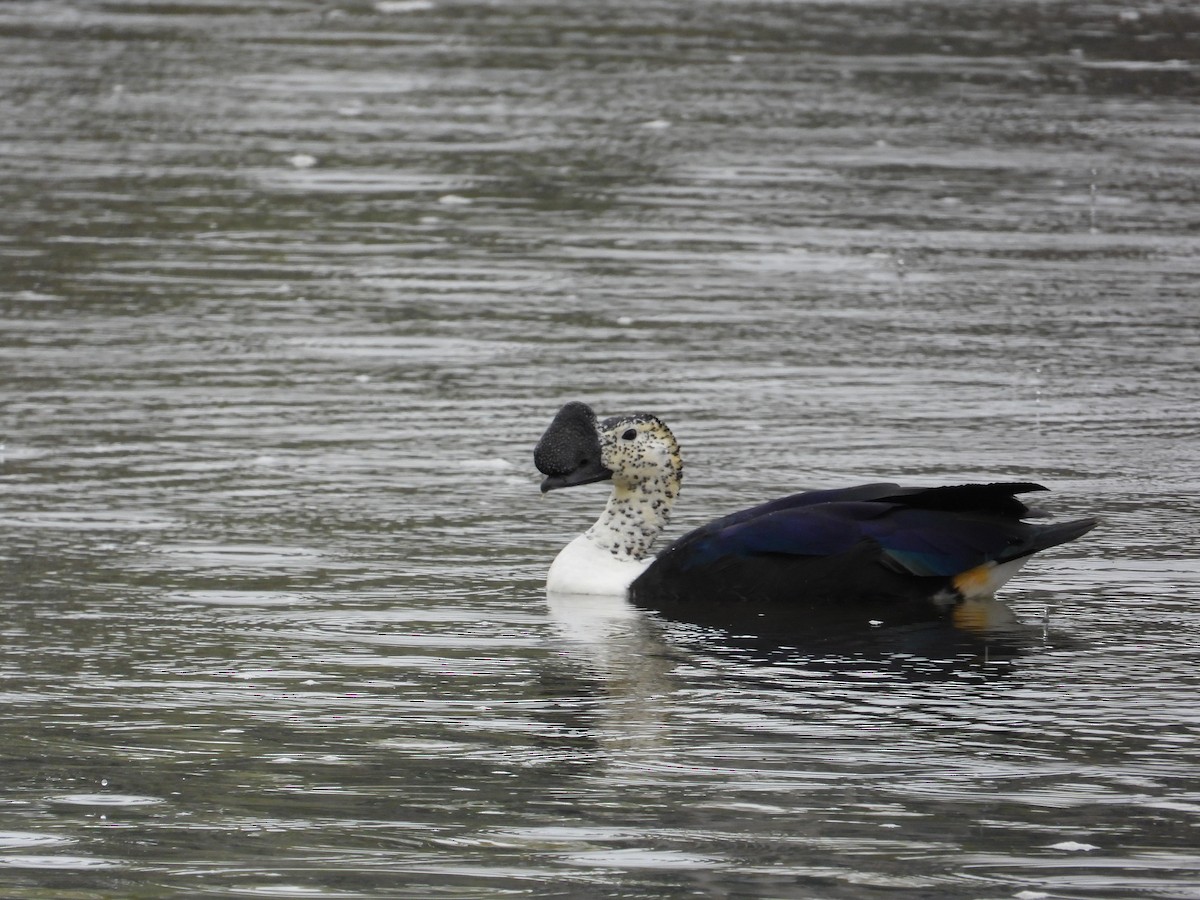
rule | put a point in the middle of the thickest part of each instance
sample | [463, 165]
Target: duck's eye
[629, 435]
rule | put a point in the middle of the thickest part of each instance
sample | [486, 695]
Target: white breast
[584, 568]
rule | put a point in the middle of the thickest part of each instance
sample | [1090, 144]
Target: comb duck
[873, 545]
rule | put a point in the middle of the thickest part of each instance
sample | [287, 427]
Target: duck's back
[873, 545]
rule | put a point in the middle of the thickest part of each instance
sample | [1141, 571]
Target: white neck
[635, 516]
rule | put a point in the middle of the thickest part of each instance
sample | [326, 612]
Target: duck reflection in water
[875, 568]
[638, 648]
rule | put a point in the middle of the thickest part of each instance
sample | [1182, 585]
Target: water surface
[290, 291]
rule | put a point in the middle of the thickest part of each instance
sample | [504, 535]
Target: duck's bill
[569, 452]
[583, 475]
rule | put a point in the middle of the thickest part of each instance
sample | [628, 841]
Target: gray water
[291, 289]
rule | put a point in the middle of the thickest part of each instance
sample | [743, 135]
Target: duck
[880, 547]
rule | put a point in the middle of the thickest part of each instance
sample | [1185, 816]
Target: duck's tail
[1053, 535]
[983, 581]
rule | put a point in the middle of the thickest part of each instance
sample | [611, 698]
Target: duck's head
[631, 450]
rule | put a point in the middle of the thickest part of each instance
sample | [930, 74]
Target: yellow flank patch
[976, 581]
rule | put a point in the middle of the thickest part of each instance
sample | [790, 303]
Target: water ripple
[289, 294]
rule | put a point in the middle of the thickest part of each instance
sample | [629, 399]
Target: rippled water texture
[290, 290]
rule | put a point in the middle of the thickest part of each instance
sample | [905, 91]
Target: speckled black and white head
[639, 449]
[640, 455]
